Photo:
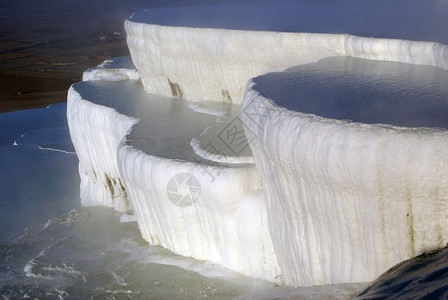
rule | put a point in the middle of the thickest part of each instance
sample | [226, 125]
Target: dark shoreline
[33, 80]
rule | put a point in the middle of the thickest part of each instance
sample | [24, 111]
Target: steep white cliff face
[347, 200]
[211, 64]
[90, 126]
[200, 64]
[96, 132]
[413, 52]
[135, 154]
[206, 212]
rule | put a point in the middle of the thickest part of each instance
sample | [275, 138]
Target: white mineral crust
[134, 157]
[200, 64]
[346, 200]
[341, 200]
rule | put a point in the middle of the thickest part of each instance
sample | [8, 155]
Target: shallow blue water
[38, 165]
[52, 248]
[364, 91]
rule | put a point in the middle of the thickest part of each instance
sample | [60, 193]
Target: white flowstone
[114, 69]
[153, 159]
[135, 154]
[96, 131]
[215, 64]
[346, 200]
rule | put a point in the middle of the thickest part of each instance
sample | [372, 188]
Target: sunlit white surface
[399, 19]
[54, 256]
[114, 69]
[132, 151]
[354, 198]
[183, 57]
[214, 64]
[52, 248]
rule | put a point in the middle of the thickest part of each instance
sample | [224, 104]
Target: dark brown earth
[45, 45]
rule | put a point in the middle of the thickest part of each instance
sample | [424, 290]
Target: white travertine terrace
[325, 210]
[135, 155]
[97, 150]
[354, 198]
[115, 69]
[180, 61]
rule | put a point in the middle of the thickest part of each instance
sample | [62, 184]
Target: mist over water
[87, 252]
[51, 248]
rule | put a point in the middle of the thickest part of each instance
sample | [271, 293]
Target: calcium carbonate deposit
[260, 175]
[357, 198]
